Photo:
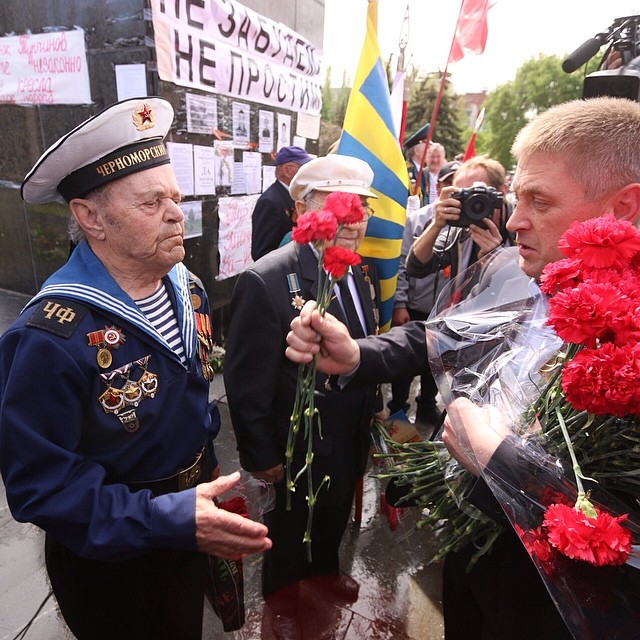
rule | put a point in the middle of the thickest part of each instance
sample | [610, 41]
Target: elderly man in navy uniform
[105, 425]
[261, 386]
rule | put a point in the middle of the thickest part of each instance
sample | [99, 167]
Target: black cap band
[122, 162]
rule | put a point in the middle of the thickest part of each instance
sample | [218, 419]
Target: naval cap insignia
[144, 117]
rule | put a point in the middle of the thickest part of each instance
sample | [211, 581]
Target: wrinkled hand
[272, 475]
[222, 533]
[400, 317]
[325, 336]
[486, 239]
[472, 433]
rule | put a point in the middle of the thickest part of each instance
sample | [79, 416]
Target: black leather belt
[185, 478]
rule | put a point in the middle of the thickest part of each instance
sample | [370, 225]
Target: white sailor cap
[123, 138]
[333, 172]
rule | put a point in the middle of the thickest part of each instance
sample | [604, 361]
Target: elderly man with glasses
[261, 385]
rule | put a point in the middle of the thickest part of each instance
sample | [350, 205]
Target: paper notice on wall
[234, 235]
[182, 164]
[44, 68]
[204, 170]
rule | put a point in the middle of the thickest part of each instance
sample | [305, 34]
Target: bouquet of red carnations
[559, 381]
[321, 229]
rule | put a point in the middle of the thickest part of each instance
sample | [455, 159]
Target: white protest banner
[223, 47]
[234, 235]
[44, 68]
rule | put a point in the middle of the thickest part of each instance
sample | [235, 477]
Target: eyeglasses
[368, 211]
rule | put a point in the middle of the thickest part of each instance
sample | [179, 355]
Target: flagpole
[436, 106]
[406, 86]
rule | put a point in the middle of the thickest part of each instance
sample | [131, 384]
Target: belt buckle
[187, 478]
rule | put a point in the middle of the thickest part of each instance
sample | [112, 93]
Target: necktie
[355, 326]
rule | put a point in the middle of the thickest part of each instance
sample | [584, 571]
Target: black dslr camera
[476, 203]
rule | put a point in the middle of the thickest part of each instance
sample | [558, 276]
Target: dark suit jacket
[271, 219]
[260, 381]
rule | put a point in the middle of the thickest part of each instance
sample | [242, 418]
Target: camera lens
[478, 207]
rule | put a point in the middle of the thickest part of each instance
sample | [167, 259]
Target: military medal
[205, 343]
[105, 340]
[297, 302]
[123, 401]
[104, 358]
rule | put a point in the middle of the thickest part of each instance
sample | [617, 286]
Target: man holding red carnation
[330, 195]
[577, 161]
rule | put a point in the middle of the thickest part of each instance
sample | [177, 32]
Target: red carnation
[346, 207]
[336, 260]
[601, 242]
[603, 381]
[586, 313]
[600, 541]
[536, 543]
[235, 505]
[560, 275]
[315, 226]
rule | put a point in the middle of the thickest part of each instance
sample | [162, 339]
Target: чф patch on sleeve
[60, 317]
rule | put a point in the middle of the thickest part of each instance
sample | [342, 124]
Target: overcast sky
[518, 31]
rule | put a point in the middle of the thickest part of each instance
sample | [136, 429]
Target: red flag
[471, 29]
[470, 151]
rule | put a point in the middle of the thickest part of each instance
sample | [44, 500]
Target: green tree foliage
[539, 84]
[449, 122]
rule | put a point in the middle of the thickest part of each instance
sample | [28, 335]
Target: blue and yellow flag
[369, 134]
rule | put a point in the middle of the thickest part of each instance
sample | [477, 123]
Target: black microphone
[584, 53]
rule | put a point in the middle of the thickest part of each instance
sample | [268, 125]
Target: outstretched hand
[222, 533]
[324, 337]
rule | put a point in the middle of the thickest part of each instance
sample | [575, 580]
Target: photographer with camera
[470, 221]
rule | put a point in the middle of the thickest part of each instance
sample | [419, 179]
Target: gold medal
[297, 302]
[104, 358]
[196, 301]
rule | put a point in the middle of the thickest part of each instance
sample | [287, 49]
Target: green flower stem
[306, 414]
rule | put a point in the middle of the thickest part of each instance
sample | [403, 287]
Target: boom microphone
[584, 53]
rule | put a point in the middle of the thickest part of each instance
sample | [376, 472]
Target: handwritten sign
[234, 235]
[45, 68]
[223, 47]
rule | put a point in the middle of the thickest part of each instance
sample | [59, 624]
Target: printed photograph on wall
[284, 131]
[240, 112]
[202, 113]
[265, 131]
[223, 156]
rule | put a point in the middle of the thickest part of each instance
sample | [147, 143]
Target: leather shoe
[285, 627]
[339, 586]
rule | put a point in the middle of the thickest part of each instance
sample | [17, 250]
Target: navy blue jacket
[63, 457]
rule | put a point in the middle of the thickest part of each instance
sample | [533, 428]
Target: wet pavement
[400, 593]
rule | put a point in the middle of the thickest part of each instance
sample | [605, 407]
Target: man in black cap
[105, 424]
[415, 145]
[442, 245]
[272, 215]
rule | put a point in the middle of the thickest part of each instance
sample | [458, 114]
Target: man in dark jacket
[261, 386]
[576, 161]
[272, 215]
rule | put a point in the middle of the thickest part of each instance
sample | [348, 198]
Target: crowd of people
[116, 461]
